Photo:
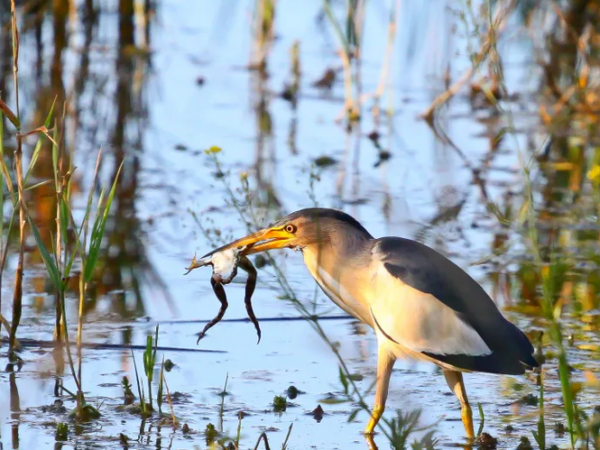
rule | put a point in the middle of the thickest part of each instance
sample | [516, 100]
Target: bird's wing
[426, 303]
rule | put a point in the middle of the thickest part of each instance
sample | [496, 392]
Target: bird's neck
[339, 276]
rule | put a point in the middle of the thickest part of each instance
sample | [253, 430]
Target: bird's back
[432, 274]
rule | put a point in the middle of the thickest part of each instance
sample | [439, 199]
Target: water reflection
[15, 409]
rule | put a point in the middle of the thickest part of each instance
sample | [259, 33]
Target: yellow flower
[213, 150]
[594, 175]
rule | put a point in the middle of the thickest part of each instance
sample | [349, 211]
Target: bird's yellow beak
[267, 239]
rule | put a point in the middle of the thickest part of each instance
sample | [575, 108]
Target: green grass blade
[98, 231]
[78, 245]
[64, 220]
[148, 367]
[90, 199]
[148, 357]
[38, 145]
[343, 380]
[336, 26]
[51, 266]
[540, 435]
[481, 419]
[565, 384]
[159, 394]
[139, 386]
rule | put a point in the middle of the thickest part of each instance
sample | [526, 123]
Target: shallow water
[146, 105]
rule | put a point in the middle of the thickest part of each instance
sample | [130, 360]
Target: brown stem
[18, 289]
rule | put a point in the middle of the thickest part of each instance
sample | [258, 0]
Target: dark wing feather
[428, 271]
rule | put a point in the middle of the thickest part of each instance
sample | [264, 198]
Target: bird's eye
[289, 228]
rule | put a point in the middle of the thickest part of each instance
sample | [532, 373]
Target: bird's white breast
[340, 289]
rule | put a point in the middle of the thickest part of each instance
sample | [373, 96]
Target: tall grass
[60, 258]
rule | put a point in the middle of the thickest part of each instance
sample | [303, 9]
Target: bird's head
[301, 229]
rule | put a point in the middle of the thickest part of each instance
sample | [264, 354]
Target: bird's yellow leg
[467, 419]
[455, 382]
[374, 419]
[385, 364]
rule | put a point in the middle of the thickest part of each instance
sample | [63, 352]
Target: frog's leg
[220, 293]
[246, 264]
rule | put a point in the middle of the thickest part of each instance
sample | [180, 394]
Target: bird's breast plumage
[342, 287]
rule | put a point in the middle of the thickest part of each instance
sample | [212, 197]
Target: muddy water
[157, 90]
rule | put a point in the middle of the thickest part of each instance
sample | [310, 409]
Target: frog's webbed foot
[194, 264]
[220, 293]
[246, 264]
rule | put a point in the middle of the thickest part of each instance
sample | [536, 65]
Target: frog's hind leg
[220, 293]
[246, 264]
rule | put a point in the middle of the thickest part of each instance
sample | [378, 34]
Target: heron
[421, 305]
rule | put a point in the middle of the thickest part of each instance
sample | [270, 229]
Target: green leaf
[343, 380]
[98, 231]
[353, 415]
[48, 259]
